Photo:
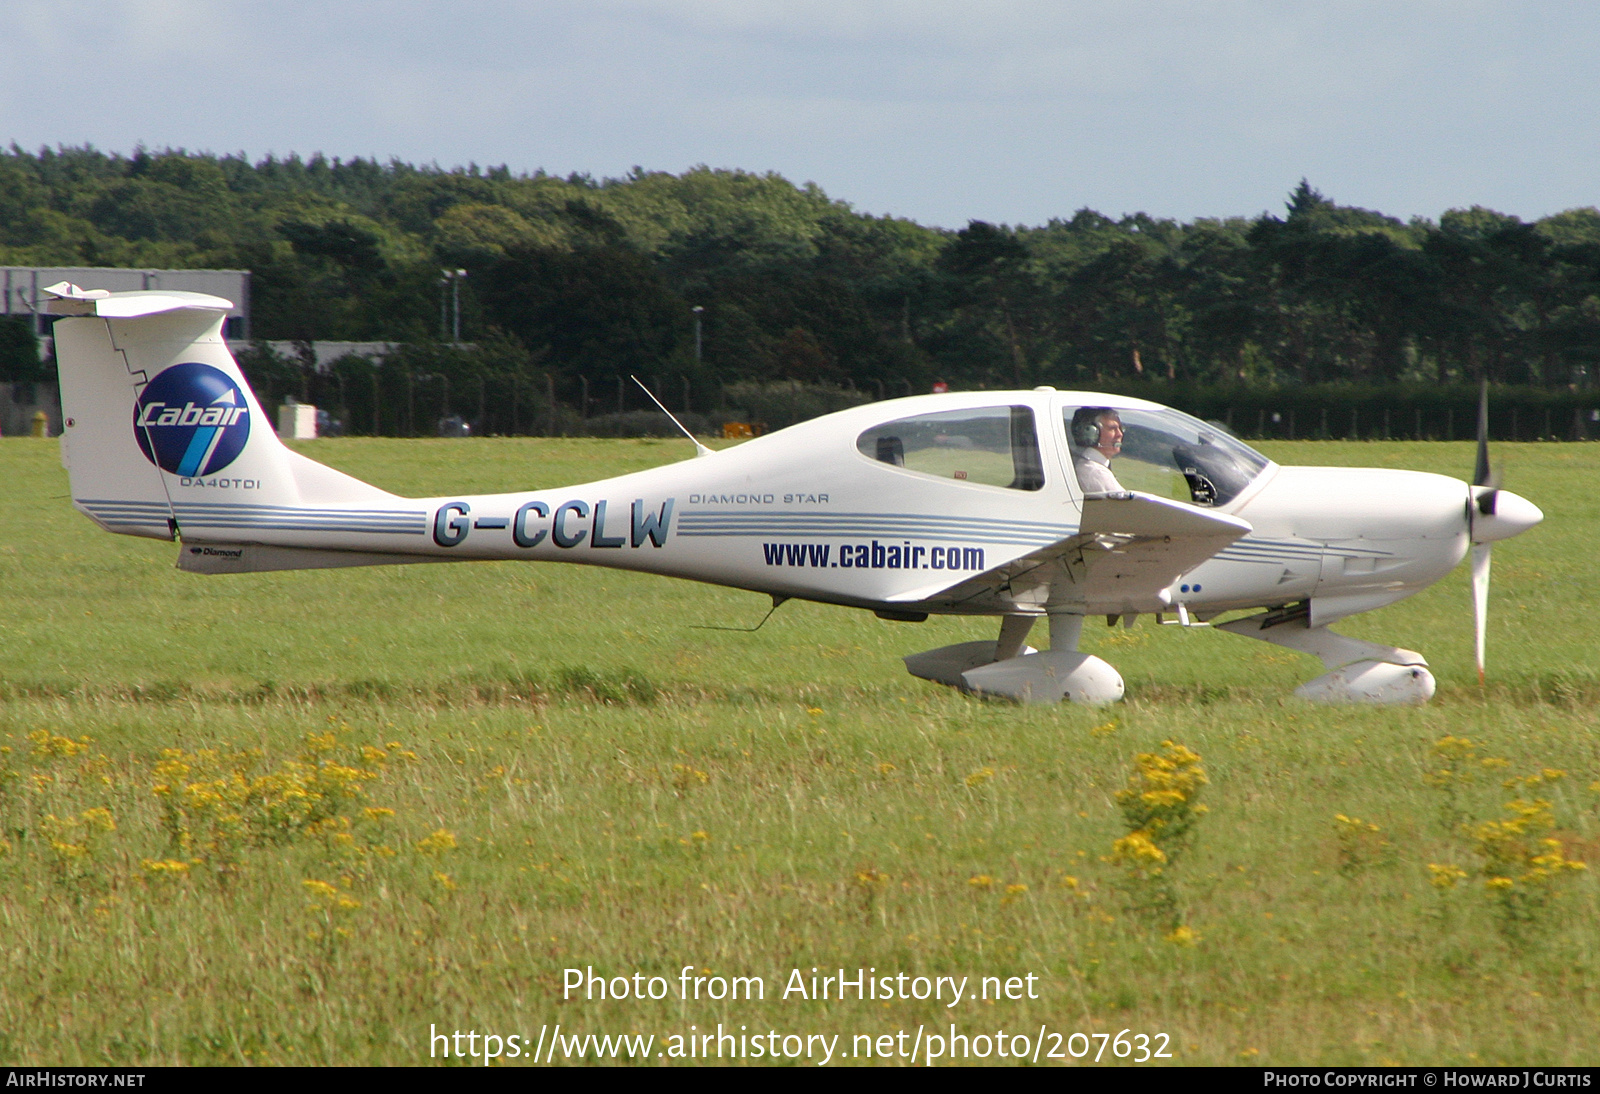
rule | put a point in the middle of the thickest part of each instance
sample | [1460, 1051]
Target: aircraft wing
[1128, 551]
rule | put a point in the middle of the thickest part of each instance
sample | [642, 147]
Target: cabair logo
[191, 420]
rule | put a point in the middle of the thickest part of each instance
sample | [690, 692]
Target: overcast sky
[1008, 110]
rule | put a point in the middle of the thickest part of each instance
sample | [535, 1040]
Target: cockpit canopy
[1167, 453]
[1163, 451]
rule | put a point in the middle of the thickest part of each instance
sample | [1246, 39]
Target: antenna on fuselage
[699, 449]
[777, 602]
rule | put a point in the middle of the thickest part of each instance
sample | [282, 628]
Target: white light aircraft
[951, 504]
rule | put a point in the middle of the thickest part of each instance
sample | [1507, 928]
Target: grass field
[306, 817]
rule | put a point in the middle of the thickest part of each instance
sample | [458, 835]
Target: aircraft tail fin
[162, 434]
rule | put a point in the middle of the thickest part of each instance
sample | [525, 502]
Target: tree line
[572, 283]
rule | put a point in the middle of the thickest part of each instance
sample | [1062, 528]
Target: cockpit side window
[992, 446]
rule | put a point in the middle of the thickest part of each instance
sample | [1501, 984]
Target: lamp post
[377, 403]
[698, 311]
[451, 278]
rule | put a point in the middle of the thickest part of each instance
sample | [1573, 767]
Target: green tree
[19, 350]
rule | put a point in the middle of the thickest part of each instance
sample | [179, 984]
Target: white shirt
[1094, 472]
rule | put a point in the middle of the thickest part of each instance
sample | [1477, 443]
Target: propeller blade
[1481, 472]
[1480, 597]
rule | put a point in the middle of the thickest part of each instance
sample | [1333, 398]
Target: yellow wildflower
[99, 818]
[438, 843]
[164, 867]
[1138, 850]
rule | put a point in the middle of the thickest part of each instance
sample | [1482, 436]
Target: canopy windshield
[1163, 452]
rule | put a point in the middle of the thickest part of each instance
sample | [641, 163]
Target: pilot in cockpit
[1096, 440]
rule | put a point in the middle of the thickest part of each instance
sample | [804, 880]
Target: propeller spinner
[1492, 514]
